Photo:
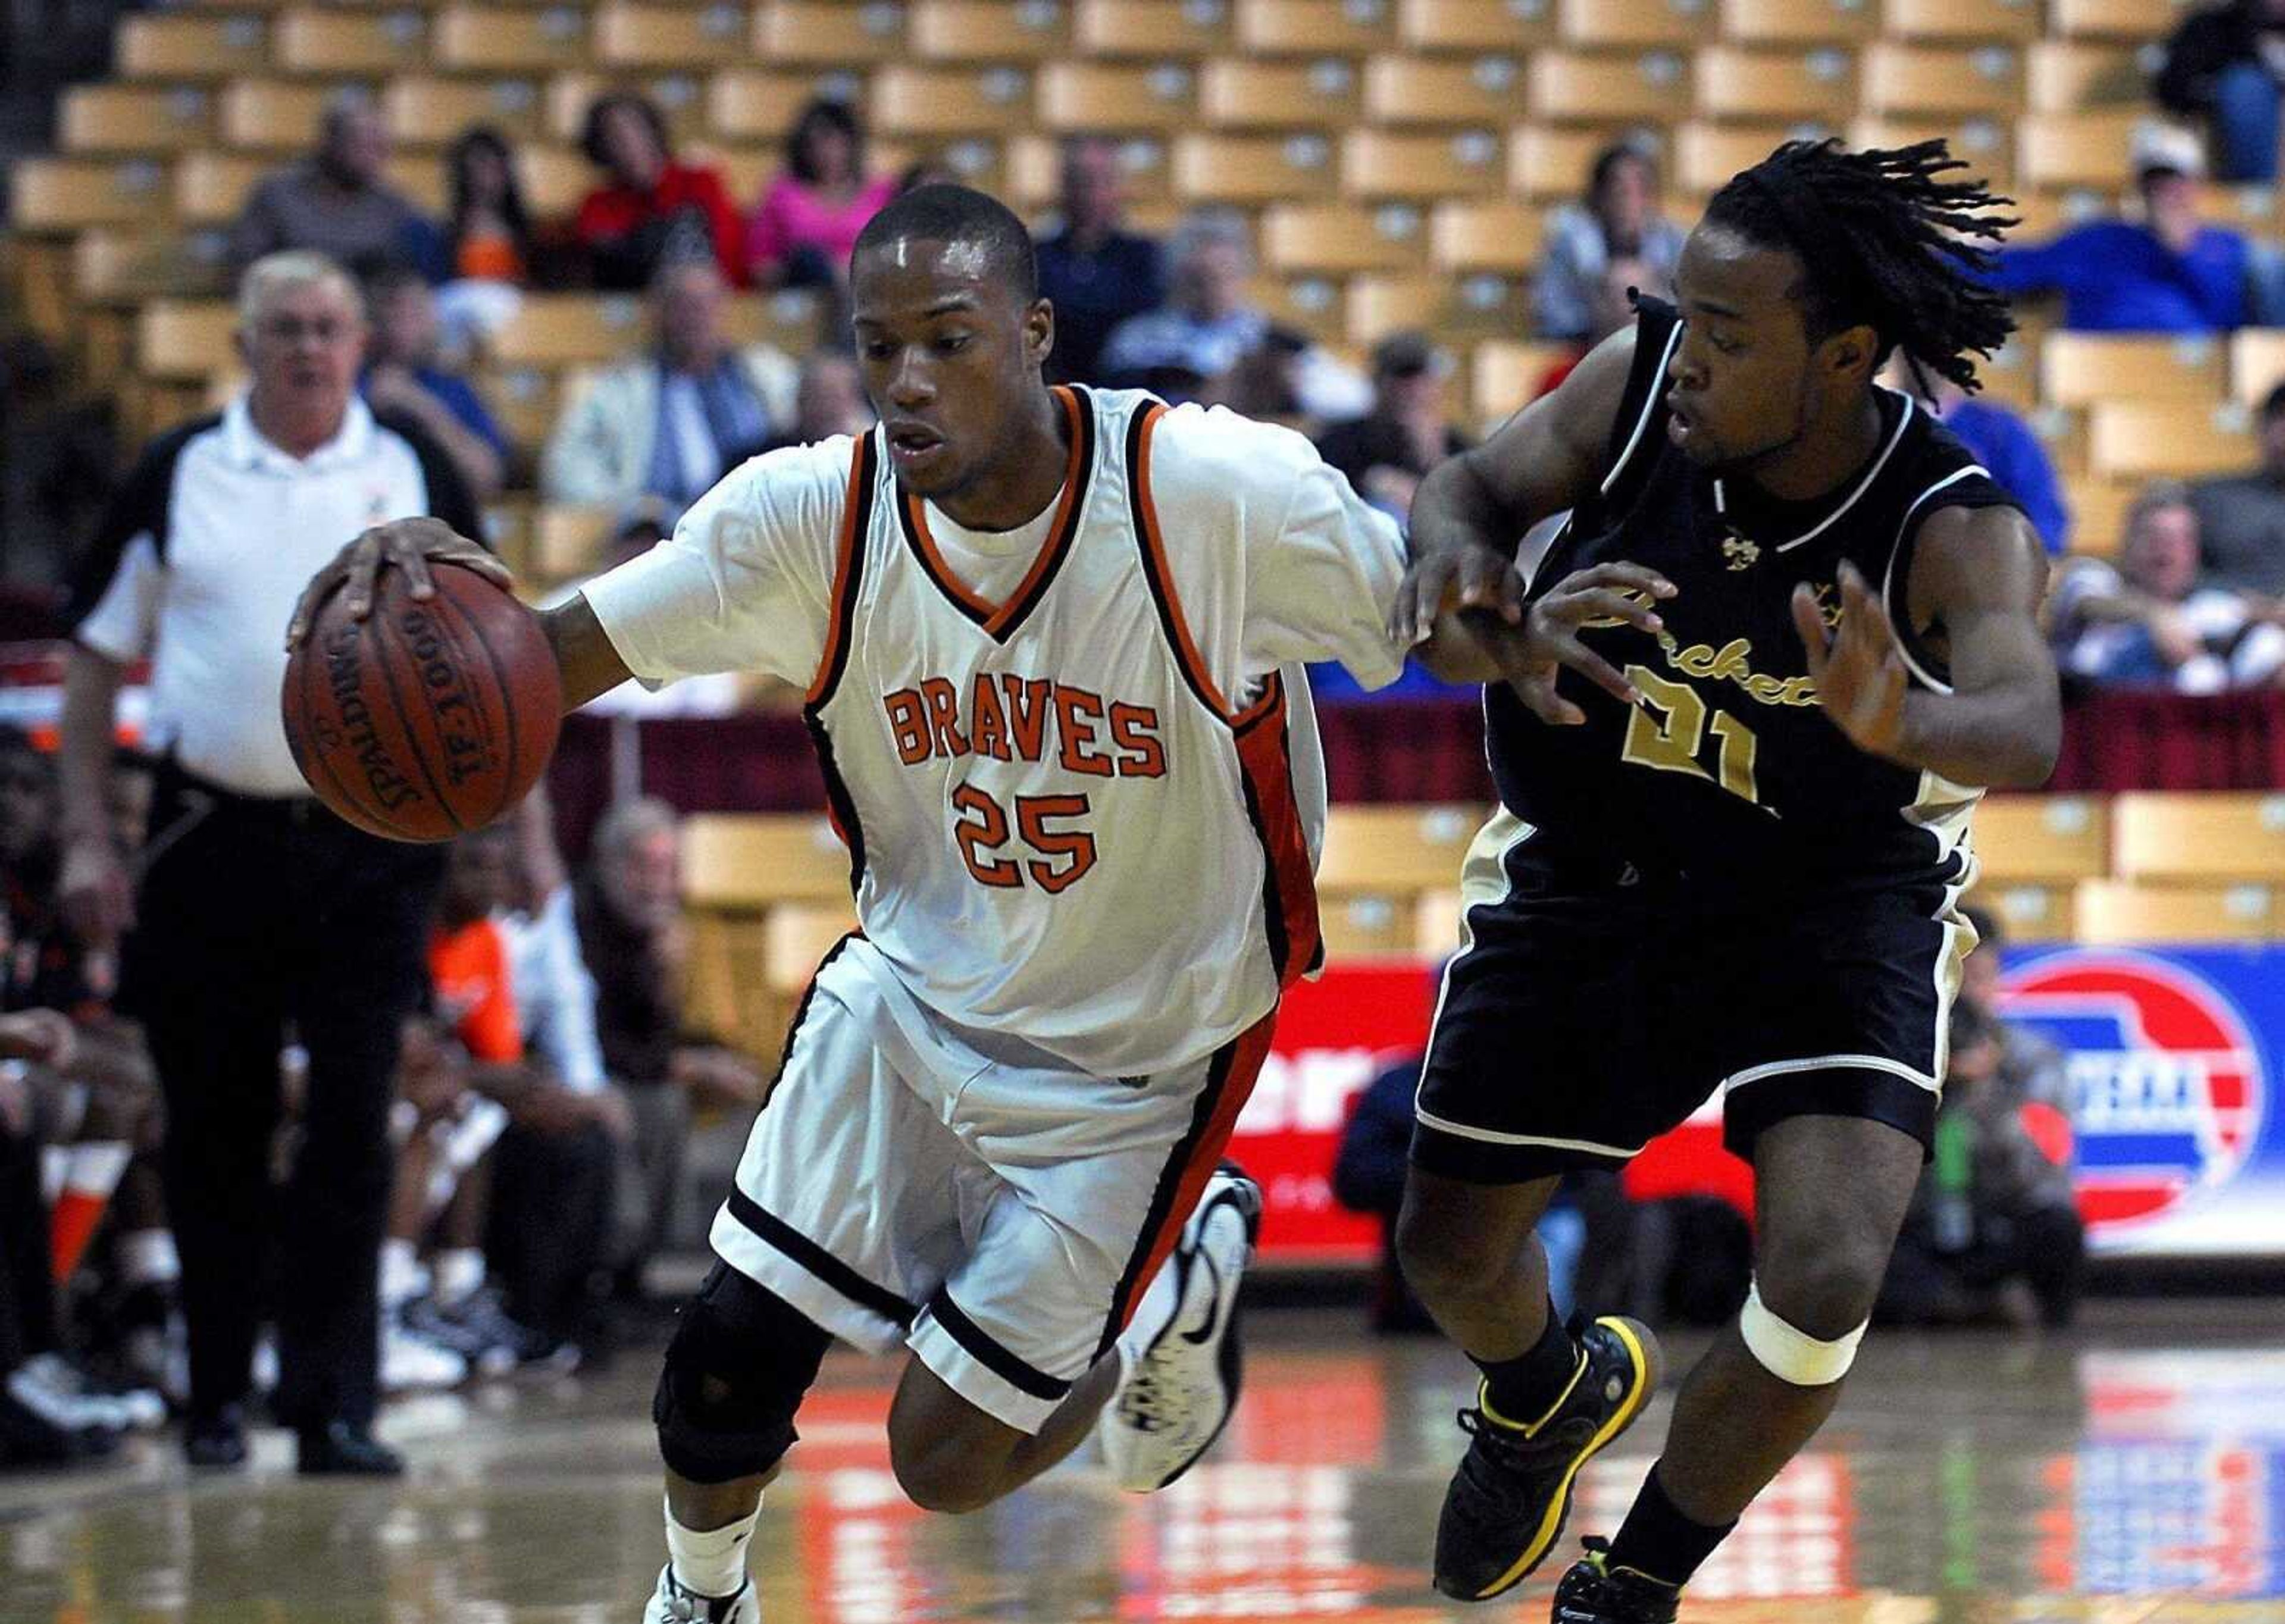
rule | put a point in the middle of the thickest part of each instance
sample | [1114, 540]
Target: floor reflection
[2128, 1475]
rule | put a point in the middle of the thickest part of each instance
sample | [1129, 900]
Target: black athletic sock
[1526, 1387]
[1658, 1540]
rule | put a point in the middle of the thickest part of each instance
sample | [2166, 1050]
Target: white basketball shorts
[988, 1206]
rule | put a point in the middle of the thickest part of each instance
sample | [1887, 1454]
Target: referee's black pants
[252, 914]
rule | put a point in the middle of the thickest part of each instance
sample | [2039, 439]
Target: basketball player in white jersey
[1044, 637]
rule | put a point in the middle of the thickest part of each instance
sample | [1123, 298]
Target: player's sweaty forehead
[907, 278]
[1724, 274]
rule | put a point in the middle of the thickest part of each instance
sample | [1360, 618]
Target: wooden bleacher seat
[1551, 163]
[1436, 922]
[2011, 376]
[1366, 925]
[1898, 78]
[1504, 374]
[1963, 21]
[2256, 363]
[1475, 25]
[2078, 76]
[1377, 849]
[828, 34]
[1152, 28]
[1486, 304]
[2132, 21]
[429, 111]
[1986, 143]
[567, 329]
[2098, 512]
[66, 194]
[2057, 150]
[554, 178]
[738, 860]
[271, 115]
[1075, 97]
[675, 36]
[2134, 439]
[2031, 911]
[1234, 93]
[1630, 23]
[990, 30]
[1309, 304]
[507, 531]
[130, 265]
[2159, 836]
[308, 40]
[1706, 155]
[745, 104]
[789, 318]
[2078, 369]
[1608, 87]
[951, 101]
[1443, 91]
[210, 188]
[524, 400]
[1252, 169]
[1342, 238]
[798, 935]
[1816, 84]
[2062, 432]
[2121, 912]
[2043, 837]
[680, 97]
[1316, 27]
[178, 45]
[1421, 167]
[1032, 167]
[567, 541]
[1496, 234]
[181, 339]
[135, 118]
[470, 38]
[1799, 22]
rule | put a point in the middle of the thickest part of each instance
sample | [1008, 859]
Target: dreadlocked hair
[1885, 240]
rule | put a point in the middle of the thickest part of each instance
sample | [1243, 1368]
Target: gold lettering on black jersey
[1731, 661]
[1740, 551]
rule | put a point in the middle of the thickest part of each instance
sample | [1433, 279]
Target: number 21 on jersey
[1666, 732]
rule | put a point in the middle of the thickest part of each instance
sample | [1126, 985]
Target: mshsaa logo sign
[2167, 1090]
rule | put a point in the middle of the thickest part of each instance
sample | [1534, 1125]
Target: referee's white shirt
[205, 552]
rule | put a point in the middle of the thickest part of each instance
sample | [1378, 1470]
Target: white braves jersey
[1084, 815]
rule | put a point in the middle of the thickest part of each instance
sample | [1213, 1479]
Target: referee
[258, 911]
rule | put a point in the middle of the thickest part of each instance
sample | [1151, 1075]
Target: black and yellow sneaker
[1594, 1592]
[1512, 1491]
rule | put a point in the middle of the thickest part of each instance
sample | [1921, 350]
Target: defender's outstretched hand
[1533, 654]
[403, 544]
[1859, 671]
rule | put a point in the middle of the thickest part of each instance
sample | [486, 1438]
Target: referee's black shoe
[1512, 1491]
[1594, 1592]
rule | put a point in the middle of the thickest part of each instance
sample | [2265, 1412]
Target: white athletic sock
[458, 1274]
[1151, 1315]
[402, 1277]
[713, 1563]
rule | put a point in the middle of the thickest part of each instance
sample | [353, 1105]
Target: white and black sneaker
[1180, 1351]
[670, 1604]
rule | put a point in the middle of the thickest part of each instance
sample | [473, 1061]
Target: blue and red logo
[2166, 1082]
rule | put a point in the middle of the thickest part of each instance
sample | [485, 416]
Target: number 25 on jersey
[1053, 859]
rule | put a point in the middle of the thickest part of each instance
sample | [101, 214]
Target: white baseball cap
[2166, 148]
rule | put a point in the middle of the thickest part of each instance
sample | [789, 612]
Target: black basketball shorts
[1592, 1008]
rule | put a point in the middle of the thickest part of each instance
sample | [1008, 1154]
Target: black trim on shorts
[993, 1356]
[1170, 1181]
[1859, 1092]
[773, 1231]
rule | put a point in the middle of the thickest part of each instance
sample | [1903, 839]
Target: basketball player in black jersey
[1790, 638]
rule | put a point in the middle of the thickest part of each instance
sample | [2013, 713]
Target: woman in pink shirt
[810, 216]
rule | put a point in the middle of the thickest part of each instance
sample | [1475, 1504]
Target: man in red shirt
[650, 210]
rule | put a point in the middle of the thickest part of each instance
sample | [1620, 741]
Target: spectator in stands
[487, 230]
[829, 400]
[1617, 235]
[1096, 272]
[335, 202]
[402, 376]
[2003, 443]
[2223, 65]
[2146, 622]
[2241, 518]
[629, 908]
[1408, 431]
[1185, 348]
[669, 422]
[1993, 1235]
[650, 211]
[2033, 1070]
[809, 216]
[2168, 272]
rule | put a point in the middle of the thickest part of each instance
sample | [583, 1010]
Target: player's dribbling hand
[1455, 579]
[1532, 656]
[403, 544]
[1859, 671]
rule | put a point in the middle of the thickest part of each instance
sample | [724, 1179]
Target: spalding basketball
[425, 720]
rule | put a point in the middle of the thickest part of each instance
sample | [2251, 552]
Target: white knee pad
[1791, 1354]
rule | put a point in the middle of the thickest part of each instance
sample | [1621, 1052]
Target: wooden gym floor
[2130, 1473]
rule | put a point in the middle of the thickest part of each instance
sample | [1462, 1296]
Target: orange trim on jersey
[996, 619]
[1289, 896]
[1247, 1052]
[1186, 651]
[839, 608]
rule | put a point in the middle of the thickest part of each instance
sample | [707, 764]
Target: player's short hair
[1884, 240]
[941, 211]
